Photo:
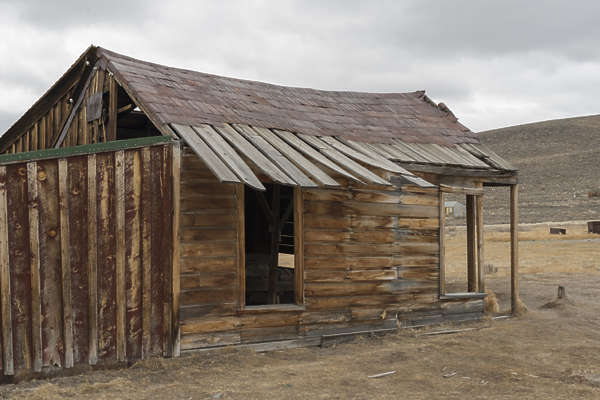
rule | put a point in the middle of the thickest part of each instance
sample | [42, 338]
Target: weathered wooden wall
[43, 133]
[209, 255]
[85, 259]
[371, 261]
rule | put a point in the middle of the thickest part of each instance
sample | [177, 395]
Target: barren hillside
[559, 164]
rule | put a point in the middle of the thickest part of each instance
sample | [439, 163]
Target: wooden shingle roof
[187, 97]
[287, 133]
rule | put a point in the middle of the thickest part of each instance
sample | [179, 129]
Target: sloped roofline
[52, 95]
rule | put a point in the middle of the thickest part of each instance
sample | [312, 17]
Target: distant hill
[559, 164]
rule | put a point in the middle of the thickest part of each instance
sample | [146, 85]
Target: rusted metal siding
[87, 275]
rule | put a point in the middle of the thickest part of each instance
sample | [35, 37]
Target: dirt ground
[550, 352]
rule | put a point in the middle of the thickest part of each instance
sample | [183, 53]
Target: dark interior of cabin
[269, 219]
[131, 122]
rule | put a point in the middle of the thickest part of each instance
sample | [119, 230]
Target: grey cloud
[66, 14]
[493, 63]
[7, 119]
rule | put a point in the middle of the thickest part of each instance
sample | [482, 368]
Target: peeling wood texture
[71, 272]
[367, 255]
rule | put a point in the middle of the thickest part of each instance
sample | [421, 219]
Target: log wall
[85, 257]
[371, 261]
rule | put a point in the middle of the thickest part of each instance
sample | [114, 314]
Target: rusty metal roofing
[193, 98]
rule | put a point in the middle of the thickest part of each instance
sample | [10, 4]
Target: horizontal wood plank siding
[370, 255]
[209, 255]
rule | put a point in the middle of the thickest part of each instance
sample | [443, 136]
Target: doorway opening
[270, 245]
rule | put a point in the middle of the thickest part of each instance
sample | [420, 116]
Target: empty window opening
[270, 260]
[455, 231]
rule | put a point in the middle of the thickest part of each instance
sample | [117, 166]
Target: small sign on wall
[93, 107]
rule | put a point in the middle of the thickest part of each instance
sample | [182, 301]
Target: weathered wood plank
[112, 109]
[34, 259]
[5, 286]
[194, 265]
[369, 209]
[241, 247]
[146, 252]
[442, 238]
[212, 161]
[106, 242]
[176, 273]
[305, 148]
[78, 255]
[65, 242]
[299, 245]
[200, 234]
[50, 263]
[121, 292]
[363, 153]
[272, 153]
[298, 159]
[133, 253]
[265, 334]
[92, 223]
[199, 249]
[198, 341]
[20, 264]
[205, 325]
[160, 248]
[343, 160]
[228, 155]
[265, 164]
[208, 296]
[347, 262]
[397, 248]
[166, 244]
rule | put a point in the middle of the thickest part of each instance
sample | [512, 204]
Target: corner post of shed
[176, 267]
[514, 247]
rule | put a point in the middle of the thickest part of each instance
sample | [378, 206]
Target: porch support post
[479, 218]
[514, 247]
[471, 244]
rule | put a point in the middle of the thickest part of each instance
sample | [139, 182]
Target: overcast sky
[494, 63]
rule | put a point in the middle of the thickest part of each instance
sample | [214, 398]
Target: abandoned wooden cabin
[148, 210]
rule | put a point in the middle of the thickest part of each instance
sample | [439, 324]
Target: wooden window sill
[466, 295]
[273, 307]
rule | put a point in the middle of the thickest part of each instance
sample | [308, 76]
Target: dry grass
[550, 353]
[539, 252]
